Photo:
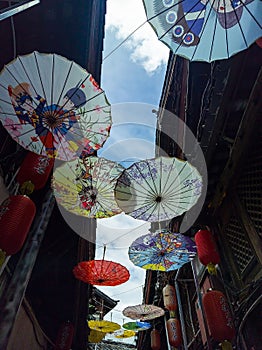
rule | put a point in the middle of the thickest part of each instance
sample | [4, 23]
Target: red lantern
[155, 340]
[16, 216]
[174, 332]
[34, 172]
[259, 42]
[206, 249]
[218, 316]
[169, 297]
[65, 336]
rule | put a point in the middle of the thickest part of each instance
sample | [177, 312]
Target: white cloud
[124, 16]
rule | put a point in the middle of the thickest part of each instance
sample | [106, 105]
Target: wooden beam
[18, 7]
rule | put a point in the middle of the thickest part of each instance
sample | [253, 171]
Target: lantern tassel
[2, 257]
[226, 345]
[27, 188]
[211, 268]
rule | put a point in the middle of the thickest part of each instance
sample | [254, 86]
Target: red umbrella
[101, 272]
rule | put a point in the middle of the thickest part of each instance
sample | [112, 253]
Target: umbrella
[205, 30]
[85, 186]
[95, 336]
[103, 326]
[52, 106]
[162, 250]
[101, 272]
[137, 326]
[158, 189]
[125, 334]
[143, 312]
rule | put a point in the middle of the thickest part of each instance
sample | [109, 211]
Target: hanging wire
[122, 42]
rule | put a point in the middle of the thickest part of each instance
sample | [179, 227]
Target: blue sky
[132, 78]
[126, 81]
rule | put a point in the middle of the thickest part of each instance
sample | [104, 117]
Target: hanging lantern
[16, 216]
[169, 297]
[174, 332]
[207, 251]
[155, 340]
[219, 319]
[259, 42]
[34, 172]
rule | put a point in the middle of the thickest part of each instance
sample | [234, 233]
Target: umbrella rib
[177, 194]
[204, 26]
[239, 24]
[251, 14]
[27, 75]
[80, 83]
[177, 176]
[63, 88]
[8, 70]
[103, 186]
[225, 14]
[153, 206]
[52, 79]
[135, 164]
[40, 78]
[174, 190]
[213, 36]
[177, 206]
[76, 126]
[151, 174]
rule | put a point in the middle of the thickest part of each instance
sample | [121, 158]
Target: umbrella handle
[104, 252]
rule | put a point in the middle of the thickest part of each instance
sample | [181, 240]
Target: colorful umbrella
[158, 189]
[205, 30]
[162, 250]
[124, 334]
[103, 326]
[101, 272]
[85, 186]
[137, 326]
[143, 312]
[52, 106]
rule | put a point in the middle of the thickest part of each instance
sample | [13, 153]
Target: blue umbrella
[205, 30]
[137, 326]
[162, 250]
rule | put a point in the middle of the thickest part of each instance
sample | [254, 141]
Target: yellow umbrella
[95, 336]
[125, 334]
[103, 326]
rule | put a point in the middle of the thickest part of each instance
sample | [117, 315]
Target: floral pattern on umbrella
[143, 312]
[85, 186]
[205, 30]
[53, 107]
[162, 250]
[101, 272]
[158, 189]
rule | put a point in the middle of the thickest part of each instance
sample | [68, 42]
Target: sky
[132, 78]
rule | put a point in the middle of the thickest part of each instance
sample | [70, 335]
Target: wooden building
[221, 103]
[38, 292]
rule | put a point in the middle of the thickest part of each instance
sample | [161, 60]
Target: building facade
[38, 291]
[221, 104]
